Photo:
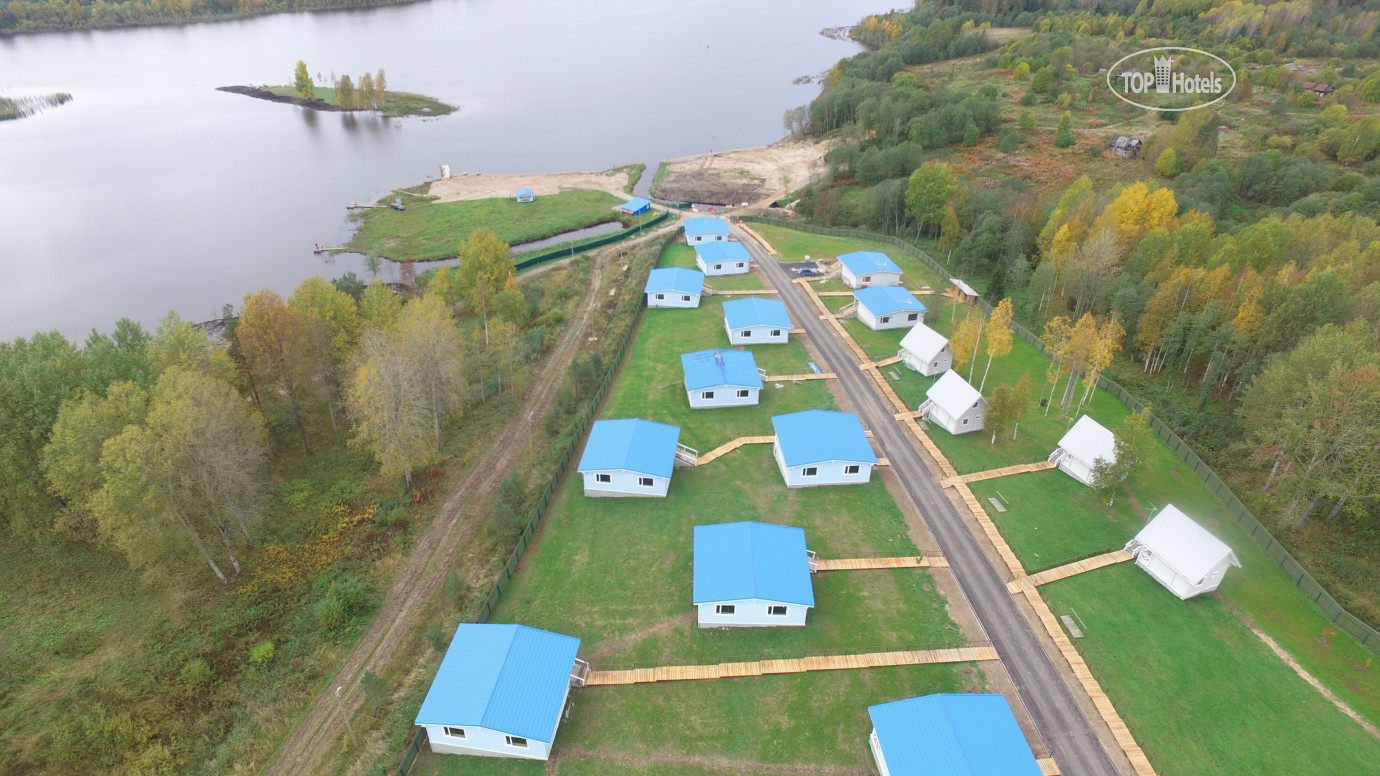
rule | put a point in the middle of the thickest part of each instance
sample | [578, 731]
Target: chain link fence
[1261, 535]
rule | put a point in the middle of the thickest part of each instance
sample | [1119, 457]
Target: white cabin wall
[624, 483]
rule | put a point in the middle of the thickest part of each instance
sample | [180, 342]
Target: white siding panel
[724, 396]
[672, 299]
[761, 335]
[751, 613]
[482, 742]
[624, 483]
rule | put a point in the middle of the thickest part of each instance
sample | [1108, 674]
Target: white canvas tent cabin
[1082, 447]
[1180, 554]
[954, 404]
[926, 351]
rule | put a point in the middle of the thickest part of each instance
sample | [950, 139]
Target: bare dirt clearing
[744, 175]
[460, 187]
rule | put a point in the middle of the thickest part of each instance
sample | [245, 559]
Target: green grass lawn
[819, 719]
[792, 245]
[1203, 694]
[678, 254]
[430, 230]
[393, 104]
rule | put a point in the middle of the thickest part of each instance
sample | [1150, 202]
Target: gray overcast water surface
[151, 191]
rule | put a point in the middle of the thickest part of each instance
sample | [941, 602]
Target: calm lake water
[152, 191]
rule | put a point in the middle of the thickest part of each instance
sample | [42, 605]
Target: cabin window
[965, 421]
[455, 732]
[743, 393]
[745, 333]
[776, 611]
[852, 468]
[517, 742]
[645, 482]
[603, 478]
[706, 394]
[886, 319]
[718, 266]
[809, 471]
[660, 296]
[740, 265]
[776, 332]
[913, 317]
[934, 363]
[726, 610]
[684, 297]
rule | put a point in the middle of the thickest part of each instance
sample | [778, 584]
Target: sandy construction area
[765, 172]
[458, 187]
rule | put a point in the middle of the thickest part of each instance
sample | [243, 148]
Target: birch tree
[390, 408]
[486, 270]
[72, 458]
[965, 341]
[427, 334]
[278, 358]
[998, 333]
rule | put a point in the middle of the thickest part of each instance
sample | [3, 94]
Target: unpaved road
[433, 557]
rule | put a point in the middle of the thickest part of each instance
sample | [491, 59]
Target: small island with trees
[369, 93]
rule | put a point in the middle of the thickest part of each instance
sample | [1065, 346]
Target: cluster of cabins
[502, 690]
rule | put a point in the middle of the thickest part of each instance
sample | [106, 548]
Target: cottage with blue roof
[721, 378]
[629, 457]
[526, 195]
[705, 229]
[822, 447]
[751, 575]
[869, 268]
[501, 691]
[723, 258]
[888, 307]
[674, 287]
[636, 206]
[755, 321]
[950, 735]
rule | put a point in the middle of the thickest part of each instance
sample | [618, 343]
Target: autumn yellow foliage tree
[998, 336]
[965, 342]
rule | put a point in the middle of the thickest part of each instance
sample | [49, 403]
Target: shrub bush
[261, 654]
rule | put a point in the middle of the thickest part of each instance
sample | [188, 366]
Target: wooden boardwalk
[791, 666]
[1013, 565]
[797, 378]
[865, 564]
[992, 474]
[1048, 767]
[1068, 570]
[887, 362]
[766, 246]
[734, 445]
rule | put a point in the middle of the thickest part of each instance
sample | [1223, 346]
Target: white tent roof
[1183, 544]
[924, 342]
[953, 394]
[1088, 441]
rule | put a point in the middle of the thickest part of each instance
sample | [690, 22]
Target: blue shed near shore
[636, 206]
[526, 195]
[950, 735]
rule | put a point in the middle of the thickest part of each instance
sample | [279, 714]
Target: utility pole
[345, 715]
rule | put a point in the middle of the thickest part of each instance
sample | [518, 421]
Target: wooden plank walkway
[1048, 767]
[1013, 565]
[1068, 570]
[865, 564]
[791, 666]
[734, 445]
[794, 378]
[992, 474]
[760, 240]
[887, 362]
[1139, 762]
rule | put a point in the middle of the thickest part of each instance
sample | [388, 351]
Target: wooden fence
[1261, 535]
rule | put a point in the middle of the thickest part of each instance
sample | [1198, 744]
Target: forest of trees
[160, 443]
[45, 15]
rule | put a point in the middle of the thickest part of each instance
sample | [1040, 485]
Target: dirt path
[434, 555]
[1289, 660]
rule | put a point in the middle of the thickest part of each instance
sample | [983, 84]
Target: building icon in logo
[1162, 75]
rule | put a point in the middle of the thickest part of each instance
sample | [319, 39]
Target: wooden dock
[734, 445]
[992, 474]
[867, 564]
[791, 666]
[1068, 570]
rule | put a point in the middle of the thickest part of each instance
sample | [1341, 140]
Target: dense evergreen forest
[1239, 251]
[48, 15]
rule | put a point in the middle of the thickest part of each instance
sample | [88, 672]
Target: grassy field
[394, 103]
[430, 230]
[792, 245]
[617, 573]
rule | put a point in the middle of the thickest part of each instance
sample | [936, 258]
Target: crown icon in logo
[1162, 74]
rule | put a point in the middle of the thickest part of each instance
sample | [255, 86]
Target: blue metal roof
[521, 192]
[727, 250]
[705, 225]
[756, 311]
[816, 436]
[508, 678]
[736, 561]
[713, 368]
[952, 735]
[635, 445]
[685, 281]
[885, 300]
[865, 262]
[637, 205]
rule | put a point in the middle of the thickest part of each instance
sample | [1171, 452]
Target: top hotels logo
[1171, 78]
